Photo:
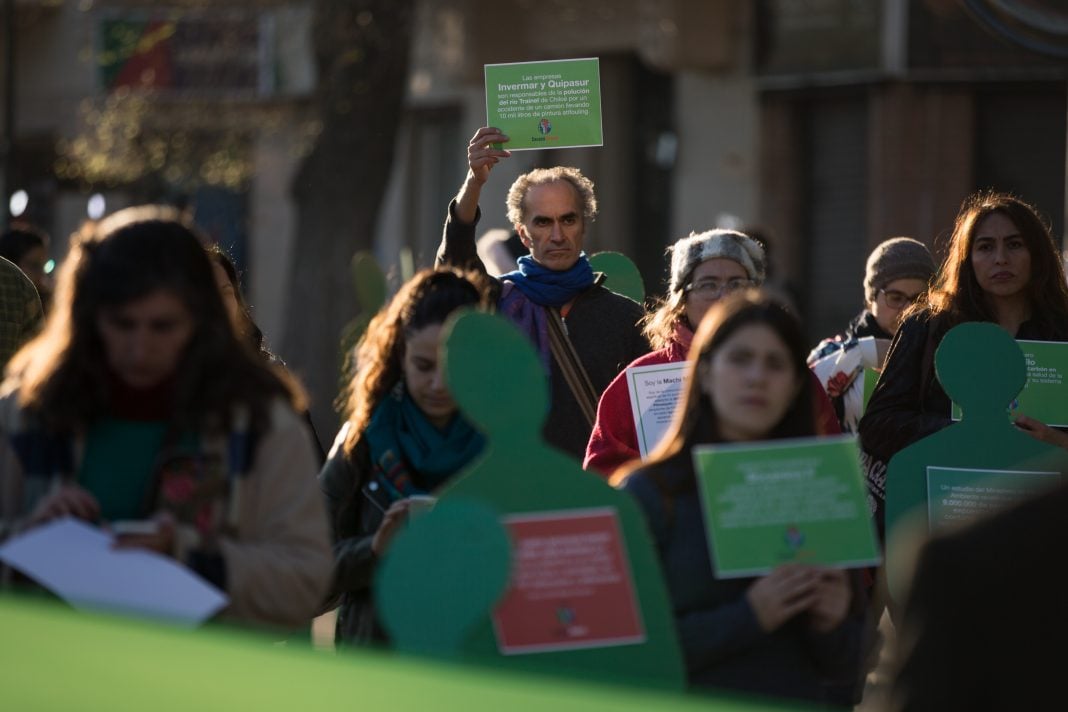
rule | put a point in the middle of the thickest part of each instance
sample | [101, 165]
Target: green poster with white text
[782, 501]
[545, 104]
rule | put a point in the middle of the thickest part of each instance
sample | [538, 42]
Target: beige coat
[274, 542]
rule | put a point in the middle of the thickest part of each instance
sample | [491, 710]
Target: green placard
[871, 377]
[956, 495]
[545, 104]
[770, 503]
[1045, 394]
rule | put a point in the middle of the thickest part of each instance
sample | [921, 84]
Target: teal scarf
[409, 455]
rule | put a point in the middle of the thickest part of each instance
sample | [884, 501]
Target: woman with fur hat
[897, 274]
[705, 267]
[1001, 266]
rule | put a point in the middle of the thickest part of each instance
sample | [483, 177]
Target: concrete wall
[717, 172]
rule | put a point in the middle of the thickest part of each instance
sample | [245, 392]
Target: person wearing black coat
[1001, 267]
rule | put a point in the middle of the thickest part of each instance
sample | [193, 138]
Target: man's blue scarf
[547, 287]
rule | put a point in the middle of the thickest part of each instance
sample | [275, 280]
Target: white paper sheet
[654, 393]
[76, 561]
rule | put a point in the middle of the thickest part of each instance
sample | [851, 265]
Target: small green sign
[956, 495]
[1045, 395]
[871, 377]
[771, 503]
[545, 104]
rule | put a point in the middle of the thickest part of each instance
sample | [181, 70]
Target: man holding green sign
[584, 333]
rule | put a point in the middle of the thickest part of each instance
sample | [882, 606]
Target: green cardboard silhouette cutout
[982, 369]
[370, 285]
[430, 548]
[623, 275]
[498, 382]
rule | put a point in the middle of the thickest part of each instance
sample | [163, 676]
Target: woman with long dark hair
[137, 401]
[1001, 267]
[705, 267]
[402, 436]
[796, 631]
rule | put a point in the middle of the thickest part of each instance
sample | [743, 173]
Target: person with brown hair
[798, 631]
[1001, 267]
[228, 281]
[402, 437]
[137, 401]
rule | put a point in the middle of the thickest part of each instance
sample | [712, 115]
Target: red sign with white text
[571, 584]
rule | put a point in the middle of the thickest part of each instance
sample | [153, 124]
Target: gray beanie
[897, 258]
[691, 251]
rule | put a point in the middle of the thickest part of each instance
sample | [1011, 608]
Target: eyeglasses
[713, 288]
[899, 300]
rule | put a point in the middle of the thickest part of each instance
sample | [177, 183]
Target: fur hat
[691, 251]
[896, 258]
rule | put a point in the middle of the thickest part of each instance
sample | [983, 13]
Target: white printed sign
[654, 393]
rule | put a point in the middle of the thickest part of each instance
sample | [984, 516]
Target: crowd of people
[148, 393]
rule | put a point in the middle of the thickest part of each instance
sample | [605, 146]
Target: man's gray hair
[583, 186]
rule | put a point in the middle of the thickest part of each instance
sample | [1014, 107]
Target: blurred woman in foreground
[137, 402]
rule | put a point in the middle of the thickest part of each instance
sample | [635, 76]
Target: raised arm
[457, 246]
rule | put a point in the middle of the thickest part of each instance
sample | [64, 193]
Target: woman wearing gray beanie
[897, 274]
[705, 267]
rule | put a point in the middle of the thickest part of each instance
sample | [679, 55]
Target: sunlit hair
[427, 299]
[955, 295]
[696, 421]
[517, 194]
[62, 376]
[250, 331]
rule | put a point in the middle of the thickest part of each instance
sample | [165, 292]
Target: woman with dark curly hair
[137, 401]
[402, 436]
[1001, 267]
